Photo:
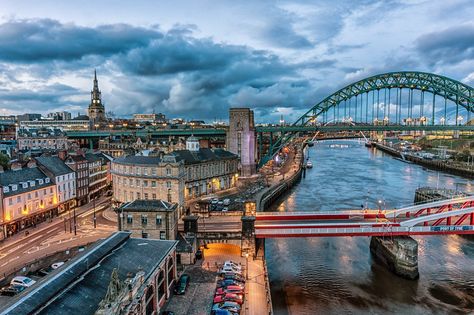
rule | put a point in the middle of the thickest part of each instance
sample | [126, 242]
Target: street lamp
[247, 266]
[95, 219]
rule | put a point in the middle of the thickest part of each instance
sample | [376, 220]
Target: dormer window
[6, 189]
[40, 181]
[14, 187]
[46, 180]
[24, 185]
[32, 183]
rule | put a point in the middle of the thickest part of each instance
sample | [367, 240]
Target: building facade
[63, 176]
[176, 176]
[44, 139]
[241, 139]
[80, 165]
[63, 125]
[149, 118]
[97, 175]
[96, 110]
[28, 197]
[155, 219]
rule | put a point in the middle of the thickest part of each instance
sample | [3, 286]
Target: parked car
[232, 297]
[233, 264]
[222, 312]
[12, 290]
[220, 203]
[226, 202]
[182, 285]
[199, 254]
[23, 281]
[225, 209]
[214, 201]
[229, 289]
[234, 276]
[231, 306]
[229, 269]
[226, 282]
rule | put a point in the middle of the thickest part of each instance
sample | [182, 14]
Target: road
[50, 237]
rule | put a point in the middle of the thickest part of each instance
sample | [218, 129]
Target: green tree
[4, 161]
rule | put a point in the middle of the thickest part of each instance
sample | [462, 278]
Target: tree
[4, 161]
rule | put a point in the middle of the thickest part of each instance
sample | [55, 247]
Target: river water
[338, 275]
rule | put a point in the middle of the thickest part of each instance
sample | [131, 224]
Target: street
[50, 237]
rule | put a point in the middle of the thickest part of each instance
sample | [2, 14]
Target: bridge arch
[457, 92]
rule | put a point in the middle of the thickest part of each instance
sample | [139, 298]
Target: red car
[230, 289]
[237, 298]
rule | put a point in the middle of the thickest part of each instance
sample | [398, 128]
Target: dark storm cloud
[45, 39]
[449, 46]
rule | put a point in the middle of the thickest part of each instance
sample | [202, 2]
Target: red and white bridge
[452, 216]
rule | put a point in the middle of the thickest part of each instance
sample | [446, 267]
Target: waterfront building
[96, 110]
[63, 176]
[155, 219]
[241, 139]
[176, 176]
[118, 275]
[28, 196]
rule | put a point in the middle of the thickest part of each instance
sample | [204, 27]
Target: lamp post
[247, 266]
[95, 219]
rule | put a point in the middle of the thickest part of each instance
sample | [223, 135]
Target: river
[338, 275]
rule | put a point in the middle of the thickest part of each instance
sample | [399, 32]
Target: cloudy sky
[196, 58]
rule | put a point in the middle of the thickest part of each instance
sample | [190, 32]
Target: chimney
[16, 166]
[31, 164]
[62, 155]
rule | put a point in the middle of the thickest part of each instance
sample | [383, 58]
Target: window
[130, 182]
[153, 183]
[168, 171]
[144, 219]
[138, 195]
[10, 201]
[153, 171]
[145, 171]
[129, 219]
[162, 235]
[145, 183]
[145, 196]
[18, 199]
[29, 196]
[169, 196]
[168, 184]
[137, 182]
[158, 220]
[138, 170]
[36, 194]
[153, 196]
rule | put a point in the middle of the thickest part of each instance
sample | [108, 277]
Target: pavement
[53, 236]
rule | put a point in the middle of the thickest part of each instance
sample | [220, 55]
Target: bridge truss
[384, 102]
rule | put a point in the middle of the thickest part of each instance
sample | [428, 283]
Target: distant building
[28, 117]
[43, 138]
[150, 118]
[8, 147]
[80, 165]
[7, 130]
[28, 197]
[155, 219]
[96, 110]
[64, 178]
[63, 125]
[99, 168]
[59, 116]
[119, 275]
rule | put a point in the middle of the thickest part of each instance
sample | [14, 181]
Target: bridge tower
[241, 139]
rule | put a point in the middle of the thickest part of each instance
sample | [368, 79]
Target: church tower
[96, 110]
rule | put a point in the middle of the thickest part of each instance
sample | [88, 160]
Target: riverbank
[437, 165]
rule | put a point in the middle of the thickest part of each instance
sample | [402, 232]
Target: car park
[12, 290]
[182, 285]
[23, 281]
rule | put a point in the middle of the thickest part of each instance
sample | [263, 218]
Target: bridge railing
[456, 200]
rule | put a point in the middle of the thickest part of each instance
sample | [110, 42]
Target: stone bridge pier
[399, 254]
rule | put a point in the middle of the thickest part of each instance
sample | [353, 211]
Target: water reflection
[337, 275]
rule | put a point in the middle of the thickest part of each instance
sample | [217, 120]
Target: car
[222, 312]
[197, 206]
[232, 297]
[109, 193]
[231, 306]
[182, 285]
[23, 281]
[225, 209]
[58, 264]
[199, 254]
[227, 282]
[229, 289]
[12, 290]
[233, 276]
[214, 201]
[229, 269]
[220, 203]
[233, 264]
[226, 202]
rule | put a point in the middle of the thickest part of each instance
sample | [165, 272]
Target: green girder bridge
[392, 101]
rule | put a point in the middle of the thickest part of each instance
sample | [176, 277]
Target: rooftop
[204, 154]
[23, 175]
[54, 164]
[148, 205]
[137, 159]
[82, 283]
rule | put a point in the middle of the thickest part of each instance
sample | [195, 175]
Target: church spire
[96, 108]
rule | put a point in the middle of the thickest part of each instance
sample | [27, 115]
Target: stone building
[80, 165]
[155, 219]
[96, 110]
[43, 138]
[176, 176]
[241, 139]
